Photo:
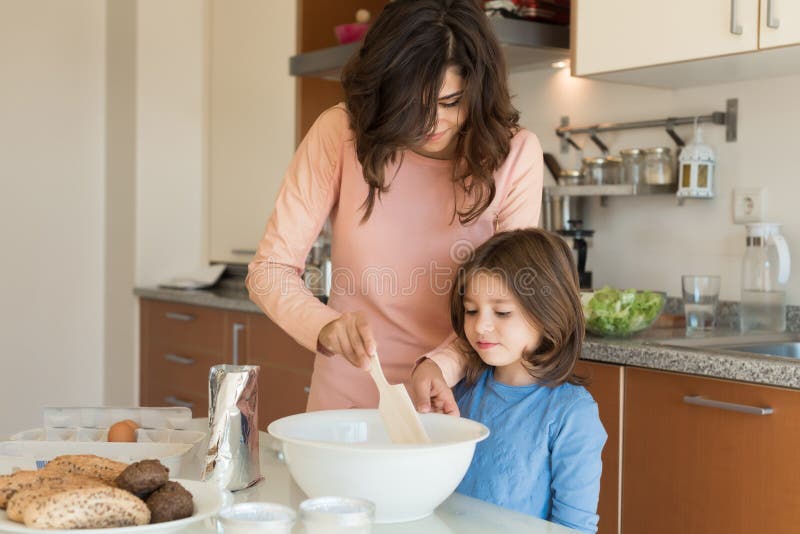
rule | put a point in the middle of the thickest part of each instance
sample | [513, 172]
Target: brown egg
[124, 431]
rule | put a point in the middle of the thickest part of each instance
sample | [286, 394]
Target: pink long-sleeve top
[397, 267]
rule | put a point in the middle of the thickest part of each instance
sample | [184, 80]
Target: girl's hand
[430, 392]
[351, 336]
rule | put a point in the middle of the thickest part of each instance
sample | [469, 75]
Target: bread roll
[96, 507]
[47, 486]
[88, 465]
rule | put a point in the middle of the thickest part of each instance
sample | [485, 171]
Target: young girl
[516, 310]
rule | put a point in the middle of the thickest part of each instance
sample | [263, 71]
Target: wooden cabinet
[605, 383]
[251, 115]
[180, 343]
[708, 468]
[285, 375]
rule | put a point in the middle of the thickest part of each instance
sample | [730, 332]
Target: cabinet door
[704, 469]
[251, 119]
[780, 23]
[605, 386]
[623, 34]
[285, 375]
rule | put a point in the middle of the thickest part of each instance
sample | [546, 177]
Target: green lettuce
[611, 311]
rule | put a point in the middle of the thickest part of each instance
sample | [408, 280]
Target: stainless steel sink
[784, 345]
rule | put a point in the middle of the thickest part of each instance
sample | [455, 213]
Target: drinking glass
[700, 300]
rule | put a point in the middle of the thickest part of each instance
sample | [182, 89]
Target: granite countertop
[652, 349]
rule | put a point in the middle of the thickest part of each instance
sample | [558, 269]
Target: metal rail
[728, 118]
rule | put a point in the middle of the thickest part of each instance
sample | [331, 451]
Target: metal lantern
[696, 169]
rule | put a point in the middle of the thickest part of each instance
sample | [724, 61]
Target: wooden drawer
[186, 373]
[159, 394]
[281, 392]
[269, 345]
[183, 328]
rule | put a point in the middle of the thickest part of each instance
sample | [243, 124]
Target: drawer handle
[697, 400]
[244, 251]
[174, 358]
[736, 28]
[772, 21]
[307, 389]
[174, 401]
[175, 316]
[237, 327]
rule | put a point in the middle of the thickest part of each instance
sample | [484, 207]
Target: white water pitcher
[765, 271]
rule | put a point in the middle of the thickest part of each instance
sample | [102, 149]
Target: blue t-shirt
[543, 455]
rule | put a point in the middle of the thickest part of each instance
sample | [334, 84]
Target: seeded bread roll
[98, 507]
[47, 486]
[88, 465]
[22, 480]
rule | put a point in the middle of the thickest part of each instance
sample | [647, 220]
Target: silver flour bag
[232, 459]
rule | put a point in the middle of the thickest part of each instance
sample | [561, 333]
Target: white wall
[649, 242]
[52, 150]
[170, 135]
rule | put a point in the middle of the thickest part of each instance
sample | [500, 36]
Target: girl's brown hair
[538, 269]
[392, 90]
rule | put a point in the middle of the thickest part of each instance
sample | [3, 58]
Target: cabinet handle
[307, 389]
[244, 251]
[237, 327]
[736, 28]
[697, 400]
[174, 401]
[772, 20]
[174, 358]
[175, 316]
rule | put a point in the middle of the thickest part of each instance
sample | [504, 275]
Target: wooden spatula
[397, 411]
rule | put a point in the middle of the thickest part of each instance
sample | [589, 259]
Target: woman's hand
[430, 392]
[351, 336]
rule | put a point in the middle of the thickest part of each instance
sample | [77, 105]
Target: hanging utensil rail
[728, 118]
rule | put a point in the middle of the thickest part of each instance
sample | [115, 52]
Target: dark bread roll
[170, 502]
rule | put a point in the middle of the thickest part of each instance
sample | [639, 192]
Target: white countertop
[457, 515]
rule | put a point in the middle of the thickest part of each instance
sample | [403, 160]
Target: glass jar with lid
[602, 170]
[632, 165]
[658, 166]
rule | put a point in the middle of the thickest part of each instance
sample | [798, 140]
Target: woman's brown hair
[392, 89]
[538, 269]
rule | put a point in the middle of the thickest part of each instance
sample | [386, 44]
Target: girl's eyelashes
[502, 314]
[452, 104]
[470, 312]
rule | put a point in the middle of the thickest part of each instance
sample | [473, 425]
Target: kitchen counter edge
[639, 352]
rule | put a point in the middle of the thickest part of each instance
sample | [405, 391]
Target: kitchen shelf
[611, 190]
[527, 45]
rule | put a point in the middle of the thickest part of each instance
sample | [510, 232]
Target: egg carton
[60, 422]
[180, 458]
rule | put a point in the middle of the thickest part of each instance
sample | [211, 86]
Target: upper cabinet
[624, 34]
[780, 23]
[684, 42]
[251, 110]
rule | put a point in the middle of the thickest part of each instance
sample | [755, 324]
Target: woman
[423, 162]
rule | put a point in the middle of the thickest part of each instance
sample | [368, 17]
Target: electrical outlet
[748, 205]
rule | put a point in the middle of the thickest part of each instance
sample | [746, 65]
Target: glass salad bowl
[611, 312]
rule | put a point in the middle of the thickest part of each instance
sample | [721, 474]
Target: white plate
[208, 500]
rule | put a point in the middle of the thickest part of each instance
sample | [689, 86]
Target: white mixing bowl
[348, 453]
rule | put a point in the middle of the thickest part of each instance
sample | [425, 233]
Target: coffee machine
[579, 240]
